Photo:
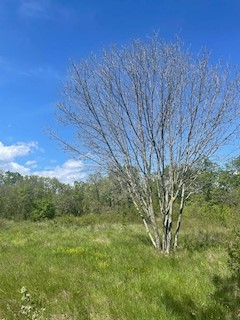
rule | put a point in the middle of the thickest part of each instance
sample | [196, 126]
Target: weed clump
[228, 289]
[29, 309]
[234, 255]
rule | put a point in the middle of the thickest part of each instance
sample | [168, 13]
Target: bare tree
[152, 113]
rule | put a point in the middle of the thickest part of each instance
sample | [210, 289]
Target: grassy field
[103, 267]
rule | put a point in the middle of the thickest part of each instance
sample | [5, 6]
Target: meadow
[103, 267]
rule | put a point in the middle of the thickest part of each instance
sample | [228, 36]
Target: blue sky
[38, 37]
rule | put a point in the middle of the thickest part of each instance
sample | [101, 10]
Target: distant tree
[228, 191]
[207, 180]
[115, 197]
[9, 185]
[22, 197]
[12, 178]
[43, 209]
[151, 113]
[69, 199]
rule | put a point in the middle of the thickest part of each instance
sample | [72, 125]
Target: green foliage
[89, 220]
[228, 287]
[44, 209]
[234, 255]
[202, 240]
[217, 194]
[30, 197]
[209, 211]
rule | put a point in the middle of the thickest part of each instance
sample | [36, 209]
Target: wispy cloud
[35, 8]
[31, 164]
[8, 70]
[41, 71]
[46, 9]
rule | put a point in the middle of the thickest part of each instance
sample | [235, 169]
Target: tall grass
[104, 267]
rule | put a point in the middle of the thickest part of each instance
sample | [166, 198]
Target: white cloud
[9, 153]
[70, 171]
[14, 167]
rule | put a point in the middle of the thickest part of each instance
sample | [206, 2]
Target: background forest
[216, 196]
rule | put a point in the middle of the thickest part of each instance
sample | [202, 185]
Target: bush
[44, 209]
[202, 240]
[234, 254]
[228, 288]
[208, 211]
[2, 223]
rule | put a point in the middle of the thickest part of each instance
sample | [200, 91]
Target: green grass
[97, 268]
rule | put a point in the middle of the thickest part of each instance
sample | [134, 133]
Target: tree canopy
[152, 113]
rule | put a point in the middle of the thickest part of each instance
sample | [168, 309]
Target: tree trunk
[175, 244]
[155, 228]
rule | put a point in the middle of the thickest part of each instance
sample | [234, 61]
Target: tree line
[216, 193]
[37, 198]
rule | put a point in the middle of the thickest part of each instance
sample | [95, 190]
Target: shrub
[228, 288]
[202, 240]
[44, 209]
[234, 254]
